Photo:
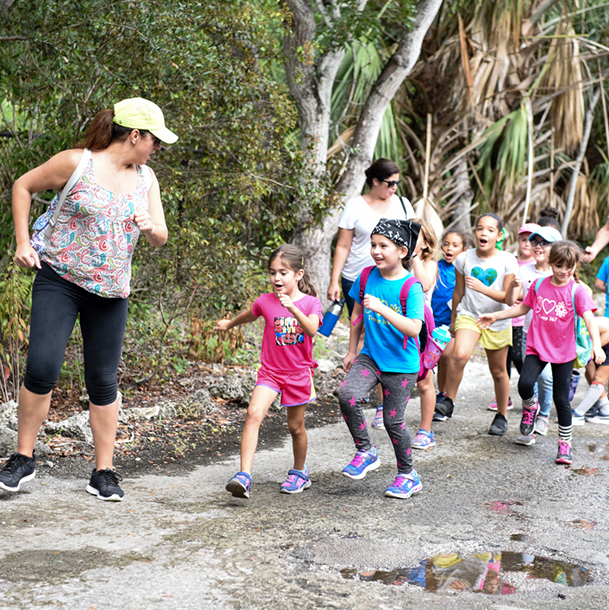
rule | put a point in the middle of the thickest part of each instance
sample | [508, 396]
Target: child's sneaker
[19, 469]
[377, 422]
[104, 485]
[499, 426]
[525, 440]
[240, 485]
[598, 418]
[423, 440]
[444, 407]
[577, 419]
[564, 453]
[297, 481]
[542, 423]
[404, 486]
[527, 423]
[362, 463]
[493, 405]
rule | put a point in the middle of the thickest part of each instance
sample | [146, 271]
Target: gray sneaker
[525, 440]
[541, 425]
[499, 426]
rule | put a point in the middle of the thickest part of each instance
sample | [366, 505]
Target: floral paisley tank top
[93, 240]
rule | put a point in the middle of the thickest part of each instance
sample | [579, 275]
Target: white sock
[592, 395]
[603, 403]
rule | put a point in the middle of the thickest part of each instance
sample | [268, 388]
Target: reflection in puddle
[480, 573]
[586, 470]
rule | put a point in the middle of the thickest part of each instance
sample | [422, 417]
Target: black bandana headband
[400, 232]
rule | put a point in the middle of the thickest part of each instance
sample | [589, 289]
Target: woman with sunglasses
[82, 249]
[359, 217]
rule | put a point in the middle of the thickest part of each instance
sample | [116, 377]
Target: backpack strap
[411, 281]
[363, 279]
[69, 185]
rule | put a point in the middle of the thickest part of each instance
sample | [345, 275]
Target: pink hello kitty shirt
[551, 335]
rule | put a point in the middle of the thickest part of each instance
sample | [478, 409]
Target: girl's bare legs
[262, 399]
[443, 365]
[296, 425]
[465, 342]
[104, 421]
[496, 364]
[428, 400]
[33, 409]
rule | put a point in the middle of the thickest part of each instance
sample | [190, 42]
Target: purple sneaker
[362, 463]
[423, 440]
[377, 422]
[297, 481]
[240, 485]
[404, 486]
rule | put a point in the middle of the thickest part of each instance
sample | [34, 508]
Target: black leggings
[561, 374]
[514, 354]
[56, 304]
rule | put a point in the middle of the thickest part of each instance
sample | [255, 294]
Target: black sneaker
[444, 406]
[499, 425]
[104, 485]
[19, 469]
[529, 416]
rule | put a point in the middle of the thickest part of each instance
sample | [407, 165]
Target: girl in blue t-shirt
[390, 355]
[453, 243]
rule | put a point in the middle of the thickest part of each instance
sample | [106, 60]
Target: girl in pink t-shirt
[551, 338]
[292, 315]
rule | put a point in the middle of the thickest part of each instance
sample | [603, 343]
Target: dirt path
[181, 542]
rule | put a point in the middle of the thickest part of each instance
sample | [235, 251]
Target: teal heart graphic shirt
[491, 272]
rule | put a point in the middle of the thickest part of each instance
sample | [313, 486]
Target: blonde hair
[430, 237]
[294, 260]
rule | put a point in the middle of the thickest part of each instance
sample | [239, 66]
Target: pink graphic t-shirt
[285, 346]
[551, 335]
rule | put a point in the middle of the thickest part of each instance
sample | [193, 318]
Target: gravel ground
[182, 541]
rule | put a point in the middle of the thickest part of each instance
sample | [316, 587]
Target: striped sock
[565, 433]
[529, 403]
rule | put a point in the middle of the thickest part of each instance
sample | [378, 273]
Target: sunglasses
[391, 183]
[157, 141]
[543, 243]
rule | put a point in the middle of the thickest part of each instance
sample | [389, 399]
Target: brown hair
[381, 169]
[294, 260]
[462, 234]
[429, 235]
[548, 217]
[567, 254]
[103, 131]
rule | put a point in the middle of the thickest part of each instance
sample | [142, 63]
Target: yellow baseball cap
[138, 113]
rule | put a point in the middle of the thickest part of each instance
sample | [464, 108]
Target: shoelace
[360, 456]
[113, 476]
[528, 416]
[563, 448]
[14, 462]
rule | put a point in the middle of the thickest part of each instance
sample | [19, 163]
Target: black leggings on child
[561, 374]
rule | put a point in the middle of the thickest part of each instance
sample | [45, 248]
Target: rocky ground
[492, 516]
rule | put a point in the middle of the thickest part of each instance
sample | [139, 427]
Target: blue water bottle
[331, 318]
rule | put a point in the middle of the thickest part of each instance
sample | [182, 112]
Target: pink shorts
[295, 388]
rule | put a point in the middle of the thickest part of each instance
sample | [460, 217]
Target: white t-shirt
[529, 276]
[491, 272]
[360, 218]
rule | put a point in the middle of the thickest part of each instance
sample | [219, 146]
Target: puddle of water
[583, 525]
[586, 470]
[481, 573]
[503, 508]
[604, 452]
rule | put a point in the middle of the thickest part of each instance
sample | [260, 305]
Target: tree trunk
[316, 241]
[460, 217]
[578, 161]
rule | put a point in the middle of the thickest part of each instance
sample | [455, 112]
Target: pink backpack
[428, 321]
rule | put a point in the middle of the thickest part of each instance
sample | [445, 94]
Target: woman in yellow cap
[82, 248]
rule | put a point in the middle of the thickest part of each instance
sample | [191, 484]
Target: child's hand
[222, 325]
[599, 355]
[485, 321]
[372, 303]
[285, 301]
[474, 283]
[348, 361]
[451, 329]
[516, 282]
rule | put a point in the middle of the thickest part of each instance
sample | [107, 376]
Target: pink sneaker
[493, 405]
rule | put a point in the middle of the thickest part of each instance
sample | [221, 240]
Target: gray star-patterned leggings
[362, 377]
